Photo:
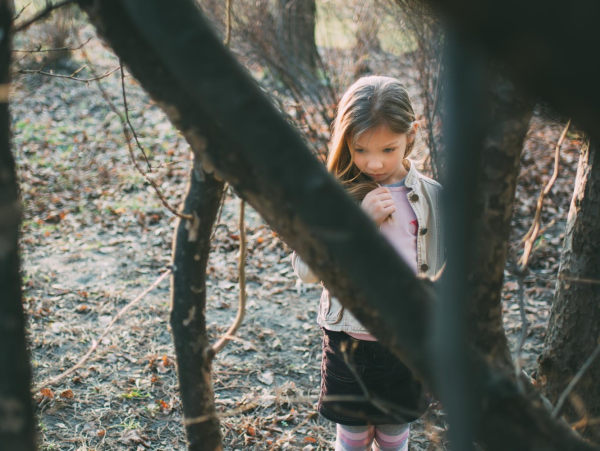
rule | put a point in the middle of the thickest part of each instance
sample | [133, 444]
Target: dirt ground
[95, 236]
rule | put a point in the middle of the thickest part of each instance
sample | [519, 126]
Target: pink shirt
[401, 231]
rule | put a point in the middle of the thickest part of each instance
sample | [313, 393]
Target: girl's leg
[353, 438]
[391, 437]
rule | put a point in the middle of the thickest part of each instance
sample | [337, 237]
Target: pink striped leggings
[383, 437]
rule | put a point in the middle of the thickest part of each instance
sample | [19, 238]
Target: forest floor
[95, 235]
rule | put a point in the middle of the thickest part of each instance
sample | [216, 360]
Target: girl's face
[379, 153]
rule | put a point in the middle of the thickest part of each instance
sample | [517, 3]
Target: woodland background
[95, 234]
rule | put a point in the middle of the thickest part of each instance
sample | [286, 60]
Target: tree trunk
[191, 248]
[297, 20]
[574, 326]
[17, 430]
[509, 116]
[267, 163]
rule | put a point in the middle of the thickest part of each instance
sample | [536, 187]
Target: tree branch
[70, 77]
[239, 318]
[60, 49]
[42, 14]
[191, 248]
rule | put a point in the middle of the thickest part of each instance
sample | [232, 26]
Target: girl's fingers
[386, 203]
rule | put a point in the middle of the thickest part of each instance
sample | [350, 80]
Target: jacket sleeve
[302, 270]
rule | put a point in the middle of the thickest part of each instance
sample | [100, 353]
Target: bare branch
[574, 381]
[219, 345]
[95, 343]
[124, 124]
[42, 14]
[70, 77]
[20, 12]
[60, 49]
[220, 211]
[228, 24]
[533, 232]
[137, 141]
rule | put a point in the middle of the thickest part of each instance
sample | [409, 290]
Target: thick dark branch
[524, 36]
[464, 130]
[509, 115]
[211, 98]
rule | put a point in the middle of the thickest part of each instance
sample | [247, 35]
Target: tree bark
[509, 115]
[17, 427]
[269, 166]
[191, 248]
[297, 19]
[574, 325]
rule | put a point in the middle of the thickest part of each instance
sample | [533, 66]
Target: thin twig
[580, 280]
[127, 117]
[524, 330]
[228, 24]
[160, 195]
[95, 343]
[529, 240]
[45, 12]
[14, 19]
[220, 344]
[223, 196]
[532, 234]
[40, 50]
[70, 77]
[130, 148]
[574, 381]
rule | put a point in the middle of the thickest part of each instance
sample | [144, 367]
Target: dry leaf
[67, 394]
[46, 392]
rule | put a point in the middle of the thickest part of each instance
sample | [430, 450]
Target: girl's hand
[378, 204]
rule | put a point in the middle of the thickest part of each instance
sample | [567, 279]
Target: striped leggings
[383, 437]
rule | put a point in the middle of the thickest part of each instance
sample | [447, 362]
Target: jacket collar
[412, 178]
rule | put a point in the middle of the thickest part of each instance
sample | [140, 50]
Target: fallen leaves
[47, 393]
[67, 394]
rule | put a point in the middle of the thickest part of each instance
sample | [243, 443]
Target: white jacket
[425, 199]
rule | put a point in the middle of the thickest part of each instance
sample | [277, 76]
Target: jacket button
[424, 267]
[414, 197]
[423, 231]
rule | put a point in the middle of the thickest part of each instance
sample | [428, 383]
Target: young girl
[365, 389]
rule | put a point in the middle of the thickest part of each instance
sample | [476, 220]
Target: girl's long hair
[369, 103]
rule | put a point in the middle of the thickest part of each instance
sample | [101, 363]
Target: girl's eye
[388, 150]
[359, 150]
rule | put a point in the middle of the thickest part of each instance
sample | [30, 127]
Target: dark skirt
[364, 383]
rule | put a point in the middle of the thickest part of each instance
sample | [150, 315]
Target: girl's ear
[414, 128]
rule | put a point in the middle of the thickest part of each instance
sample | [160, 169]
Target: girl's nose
[374, 163]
